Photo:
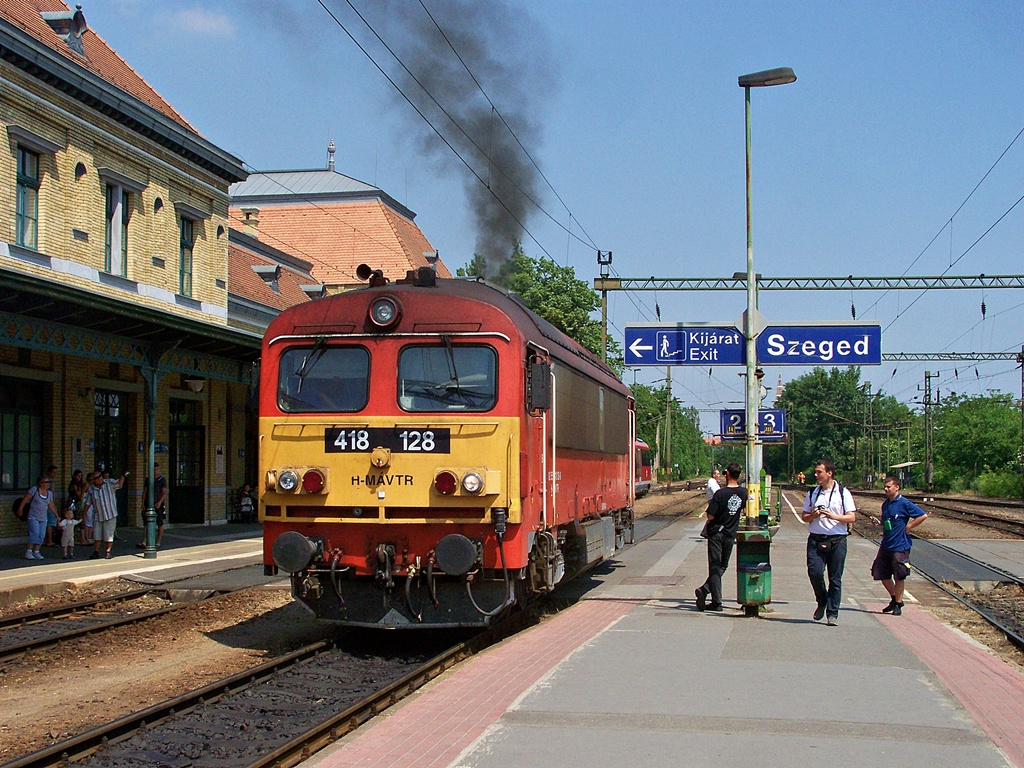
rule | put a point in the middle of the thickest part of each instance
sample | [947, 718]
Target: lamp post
[780, 76]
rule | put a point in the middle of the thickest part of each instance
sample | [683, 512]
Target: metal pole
[668, 429]
[1021, 361]
[604, 326]
[753, 459]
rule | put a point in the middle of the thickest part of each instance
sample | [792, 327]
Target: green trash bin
[753, 567]
[755, 583]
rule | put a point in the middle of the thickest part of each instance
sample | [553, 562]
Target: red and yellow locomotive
[432, 453]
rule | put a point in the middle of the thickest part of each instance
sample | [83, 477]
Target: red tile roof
[244, 282]
[338, 237]
[100, 58]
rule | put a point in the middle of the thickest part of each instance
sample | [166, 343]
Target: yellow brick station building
[114, 333]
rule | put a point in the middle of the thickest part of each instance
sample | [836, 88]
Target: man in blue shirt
[899, 517]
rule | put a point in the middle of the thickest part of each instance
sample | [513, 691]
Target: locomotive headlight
[445, 482]
[472, 482]
[385, 312]
[287, 481]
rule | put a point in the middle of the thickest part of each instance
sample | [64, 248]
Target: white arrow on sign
[636, 346]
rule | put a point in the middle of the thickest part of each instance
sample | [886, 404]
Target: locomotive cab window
[320, 379]
[447, 377]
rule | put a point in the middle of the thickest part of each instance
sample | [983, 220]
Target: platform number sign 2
[771, 425]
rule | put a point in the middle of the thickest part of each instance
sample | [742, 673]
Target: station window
[185, 260]
[447, 377]
[27, 204]
[320, 379]
[21, 434]
[119, 213]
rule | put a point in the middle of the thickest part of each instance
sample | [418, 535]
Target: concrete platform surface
[186, 552]
[634, 675]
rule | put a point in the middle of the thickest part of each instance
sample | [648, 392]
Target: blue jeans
[36, 531]
[826, 554]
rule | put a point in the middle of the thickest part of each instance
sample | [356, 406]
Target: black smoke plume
[509, 56]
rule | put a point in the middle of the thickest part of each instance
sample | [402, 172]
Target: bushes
[1003, 485]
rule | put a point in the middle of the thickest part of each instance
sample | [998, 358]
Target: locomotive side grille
[455, 514]
[348, 513]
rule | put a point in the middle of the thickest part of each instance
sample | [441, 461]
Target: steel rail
[328, 732]
[1012, 637]
[85, 744]
[70, 609]
[16, 649]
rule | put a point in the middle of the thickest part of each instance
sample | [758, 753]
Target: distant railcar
[642, 473]
[432, 453]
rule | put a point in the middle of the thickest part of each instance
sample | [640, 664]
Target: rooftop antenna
[330, 155]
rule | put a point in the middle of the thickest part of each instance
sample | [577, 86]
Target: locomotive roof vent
[422, 277]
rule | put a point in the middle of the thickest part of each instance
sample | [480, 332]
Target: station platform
[186, 552]
[634, 675]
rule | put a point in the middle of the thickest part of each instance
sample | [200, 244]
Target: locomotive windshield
[447, 378]
[321, 379]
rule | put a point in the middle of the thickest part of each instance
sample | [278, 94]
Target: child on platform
[67, 532]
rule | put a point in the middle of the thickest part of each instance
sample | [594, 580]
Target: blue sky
[633, 114]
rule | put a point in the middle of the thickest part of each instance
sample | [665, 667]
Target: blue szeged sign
[707, 344]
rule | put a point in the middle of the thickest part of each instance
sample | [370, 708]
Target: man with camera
[829, 511]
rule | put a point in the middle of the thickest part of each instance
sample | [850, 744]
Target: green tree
[689, 451]
[829, 413]
[556, 294]
[977, 436]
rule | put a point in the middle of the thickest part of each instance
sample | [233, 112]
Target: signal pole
[929, 436]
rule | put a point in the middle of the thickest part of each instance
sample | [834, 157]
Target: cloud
[203, 22]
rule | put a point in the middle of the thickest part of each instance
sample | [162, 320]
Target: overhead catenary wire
[507, 126]
[454, 122]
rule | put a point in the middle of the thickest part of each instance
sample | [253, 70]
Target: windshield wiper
[451, 363]
[310, 360]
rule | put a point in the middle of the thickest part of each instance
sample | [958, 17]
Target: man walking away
[723, 521]
[714, 483]
[829, 509]
[891, 567]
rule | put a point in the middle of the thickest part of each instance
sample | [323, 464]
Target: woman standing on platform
[40, 501]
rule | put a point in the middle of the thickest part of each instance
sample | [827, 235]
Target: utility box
[753, 569]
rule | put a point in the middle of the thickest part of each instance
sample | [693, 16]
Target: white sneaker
[39, 555]
[29, 555]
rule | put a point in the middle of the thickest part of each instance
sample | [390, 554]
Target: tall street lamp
[780, 76]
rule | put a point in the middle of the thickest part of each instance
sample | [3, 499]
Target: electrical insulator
[853, 311]
[983, 310]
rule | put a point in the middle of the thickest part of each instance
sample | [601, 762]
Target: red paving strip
[435, 728]
[988, 688]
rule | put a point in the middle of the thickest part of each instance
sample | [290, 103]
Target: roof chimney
[330, 155]
[251, 222]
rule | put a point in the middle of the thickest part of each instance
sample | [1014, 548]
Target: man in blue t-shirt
[899, 517]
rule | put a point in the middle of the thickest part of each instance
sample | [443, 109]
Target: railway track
[1008, 624]
[276, 714]
[37, 630]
